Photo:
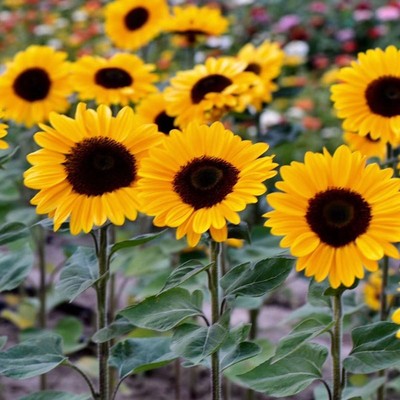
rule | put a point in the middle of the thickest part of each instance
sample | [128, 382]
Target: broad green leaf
[119, 327]
[162, 312]
[54, 395]
[305, 330]
[142, 354]
[375, 347]
[136, 241]
[236, 348]
[14, 268]
[308, 311]
[79, 273]
[258, 279]
[363, 392]
[184, 272]
[289, 375]
[32, 358]
[3, 341]
[195, 342]
[316, 296]
[12, 231]
[266, 351]
[71, 331]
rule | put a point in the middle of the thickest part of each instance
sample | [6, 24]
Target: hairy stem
[337, 346]
[215, 307]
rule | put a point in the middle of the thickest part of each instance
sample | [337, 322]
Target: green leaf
[289, 375]
[71, 330]
[32, 358]
[14, 268]
[164, 311]
[375, 347]
[138, 355]
[54, 395]
[184, 272]
[79, 273]
[136, 241]
[363, 392]
[236, 348]
[305, 330]
[195, 343]
[3, 341]
[256, 280]
[12, 231]
[119, 327]
[316, 296]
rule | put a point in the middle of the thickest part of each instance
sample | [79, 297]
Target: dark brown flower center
[164, 122]
[99, 165]
[33, 84]
[136, 18]
[383, 96]
[113, 78]
[338, 216]
[254, 67]
[212, 83]
[205, 181]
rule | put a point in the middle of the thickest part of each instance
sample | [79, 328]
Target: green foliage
[375, 347]
[71, 331]
[3, 341]
[15, 267]
[11, 231]
[195, 343]
[289, 375]
[184, 272]
[119, 327]
[79, 273]
[256, 280]
[32, 357]
[164, 311]
[304, 331]
[133, 356]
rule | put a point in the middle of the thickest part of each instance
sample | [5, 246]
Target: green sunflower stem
[336, 347]
[383, 314]
[102, 314]
[216, 381]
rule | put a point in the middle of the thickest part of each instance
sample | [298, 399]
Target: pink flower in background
[362, 15]
[318, 7]
[287, 22]
[387, 13]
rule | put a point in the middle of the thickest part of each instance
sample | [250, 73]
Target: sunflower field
[199, 200]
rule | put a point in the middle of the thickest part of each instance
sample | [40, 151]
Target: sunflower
[35, 83]
[208, 91]
[368, 95]
[200, 178]
[87, 168]
[336, 214]
[3, 132]
[372, 291]
[121, 79]
[366, 145]
[131, 24]
[265, 61]
[193, 22]
[396, 320]
[153, 110]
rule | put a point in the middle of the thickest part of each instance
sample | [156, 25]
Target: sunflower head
[366, 145]
[131, 24]
[200, 178]
[3, 132]
[337, 214]
[266, 62]
[35, 83]
[121, 79]
[194, 22]
[207, 92]
[153, 110]
[396, 320]
[87, 167]
[368, 95]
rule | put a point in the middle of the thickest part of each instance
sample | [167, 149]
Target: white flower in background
[297, 48]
